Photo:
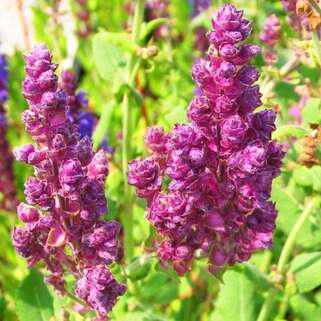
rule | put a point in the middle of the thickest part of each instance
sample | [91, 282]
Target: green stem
[290, 242]
[284, 257]
[127, 216]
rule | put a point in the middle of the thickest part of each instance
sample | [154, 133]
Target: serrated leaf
[109, 59]
[237, 299]
[289, 131]
[306, 268]
[33, 300]
[305, 309]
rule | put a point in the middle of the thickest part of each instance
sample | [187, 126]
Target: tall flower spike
[66, 198]
[220, 165]
[270, 36]
[8, 199]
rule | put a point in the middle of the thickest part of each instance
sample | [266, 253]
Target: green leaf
[312, 111]
[109, 58]
[303, 176]
[287, 206]
[255, 275]
[305, 309]
[33, 300]
[289, 131]
[103, 125]
[316, 177]
[306, 268]
[237, 299]
[139, 267]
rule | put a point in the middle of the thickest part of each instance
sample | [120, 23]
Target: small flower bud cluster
[7, 187]
[270, 36]
[65, 199]
[208, 182]
[83, 15]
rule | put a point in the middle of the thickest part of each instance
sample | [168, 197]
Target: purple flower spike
[270, 36]
[8, 199]
[220, 166]
[66, 198]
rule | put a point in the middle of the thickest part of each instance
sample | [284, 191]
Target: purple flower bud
[251, 99]
[27, 213]
[22, 153]
[200, 110]
[233, 130]
[248, 75]
[98, 167]
[156, 139]
[39, 193]
[144, 174]
[71, 175]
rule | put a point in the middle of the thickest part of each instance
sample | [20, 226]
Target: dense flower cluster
[270, 35]
[65, 199]
[7, 188]
[208, 182]
[302, 15]
[83, 14]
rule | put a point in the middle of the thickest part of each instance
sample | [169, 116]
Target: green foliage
[109, 58]
[237, 299]
[306, 268]
[33, 300]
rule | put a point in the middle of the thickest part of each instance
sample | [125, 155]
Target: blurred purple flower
[8, 199]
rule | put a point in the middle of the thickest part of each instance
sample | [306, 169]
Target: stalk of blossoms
[8, 199]
[65, 199]
[220, 165]
[270, 36]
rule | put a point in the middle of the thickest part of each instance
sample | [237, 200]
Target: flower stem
[284, 257]
[127, 218]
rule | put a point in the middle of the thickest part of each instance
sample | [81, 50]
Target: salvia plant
[204, 203]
